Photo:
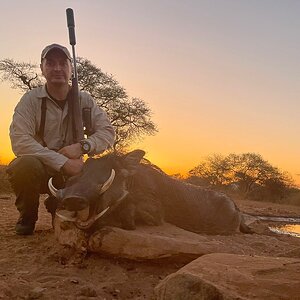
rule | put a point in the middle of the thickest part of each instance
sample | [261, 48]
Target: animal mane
[148, 163]
[145, 162]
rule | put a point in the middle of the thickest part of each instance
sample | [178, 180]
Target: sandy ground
[36, 267]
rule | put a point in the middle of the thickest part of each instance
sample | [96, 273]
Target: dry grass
[293, 198]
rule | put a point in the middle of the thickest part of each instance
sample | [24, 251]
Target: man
[41, 136]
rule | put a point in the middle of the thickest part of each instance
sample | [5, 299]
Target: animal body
[148, 195]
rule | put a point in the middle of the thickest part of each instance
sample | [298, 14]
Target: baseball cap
[48, 48]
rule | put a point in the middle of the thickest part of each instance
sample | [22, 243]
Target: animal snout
[75, 203]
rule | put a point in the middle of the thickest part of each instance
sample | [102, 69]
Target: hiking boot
[24, 227]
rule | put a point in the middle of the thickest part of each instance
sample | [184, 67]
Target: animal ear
[131, 162]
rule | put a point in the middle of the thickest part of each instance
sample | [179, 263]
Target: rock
[75, 281]
[231, 276]
[169, 241]
[150, 242]
[147, 242]
[68, 234]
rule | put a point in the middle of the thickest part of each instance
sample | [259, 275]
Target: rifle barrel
[71, 26]
[72, 38]
[77, 124]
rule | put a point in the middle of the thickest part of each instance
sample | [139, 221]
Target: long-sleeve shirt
[58, 129]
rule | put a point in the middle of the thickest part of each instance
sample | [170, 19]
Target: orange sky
[220, 77]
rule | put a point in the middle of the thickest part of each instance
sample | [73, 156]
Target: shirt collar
[42, 92]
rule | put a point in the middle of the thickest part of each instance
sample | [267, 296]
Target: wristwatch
[85, 146]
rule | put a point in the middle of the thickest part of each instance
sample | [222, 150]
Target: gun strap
[86, 120]
[43, 121]
[70, 97]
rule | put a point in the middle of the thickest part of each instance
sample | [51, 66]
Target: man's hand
[72, 151]
[73, 166]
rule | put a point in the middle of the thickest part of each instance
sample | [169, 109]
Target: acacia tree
[131, 117]
[247, 169]
[214, 170]
[251, 168]
[22, 76]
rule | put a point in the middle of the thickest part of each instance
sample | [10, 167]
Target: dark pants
[28, 177]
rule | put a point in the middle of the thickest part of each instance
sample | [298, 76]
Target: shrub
[4, 183]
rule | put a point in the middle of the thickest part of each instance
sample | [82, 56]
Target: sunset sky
[221, 76]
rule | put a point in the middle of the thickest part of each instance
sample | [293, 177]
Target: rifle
[73, 97]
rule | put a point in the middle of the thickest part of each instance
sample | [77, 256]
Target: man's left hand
[72, 151]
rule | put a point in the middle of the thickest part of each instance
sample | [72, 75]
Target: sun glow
[215, 80]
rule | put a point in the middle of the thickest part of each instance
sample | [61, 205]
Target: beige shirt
[58, 130]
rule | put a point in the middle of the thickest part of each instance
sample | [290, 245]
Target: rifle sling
[43, 121]
[86, 121]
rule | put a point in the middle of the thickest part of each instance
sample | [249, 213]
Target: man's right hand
[71, 151]
[73, 166]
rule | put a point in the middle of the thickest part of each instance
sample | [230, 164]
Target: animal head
[100, 186]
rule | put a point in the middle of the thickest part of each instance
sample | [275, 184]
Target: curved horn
[108, 182]
[87, 224]
[52, 189]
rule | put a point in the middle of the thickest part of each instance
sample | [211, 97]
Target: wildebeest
[141, 192]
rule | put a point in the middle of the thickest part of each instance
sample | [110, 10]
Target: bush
[293, 197]
[4, 183]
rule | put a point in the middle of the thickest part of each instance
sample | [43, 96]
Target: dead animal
[120, 190]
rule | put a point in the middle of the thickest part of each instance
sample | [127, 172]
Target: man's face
[56, 67]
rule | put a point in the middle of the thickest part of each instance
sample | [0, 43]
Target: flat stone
[231, 276]
[169, 241]
[149, 242]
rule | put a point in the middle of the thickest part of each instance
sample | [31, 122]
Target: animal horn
[87, 224]
[52, 189]
[108, 182]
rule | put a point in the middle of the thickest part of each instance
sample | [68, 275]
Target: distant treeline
[246, 175]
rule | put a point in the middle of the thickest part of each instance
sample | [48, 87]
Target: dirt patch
[268, 208]
[37, 267]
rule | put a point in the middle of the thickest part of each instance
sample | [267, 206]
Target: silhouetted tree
[213, 170]
[248, 170]
[21, 75]
[131, 117]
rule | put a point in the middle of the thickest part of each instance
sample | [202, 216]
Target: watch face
[86, 147]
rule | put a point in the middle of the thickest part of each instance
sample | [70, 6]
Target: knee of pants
[26, 170]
